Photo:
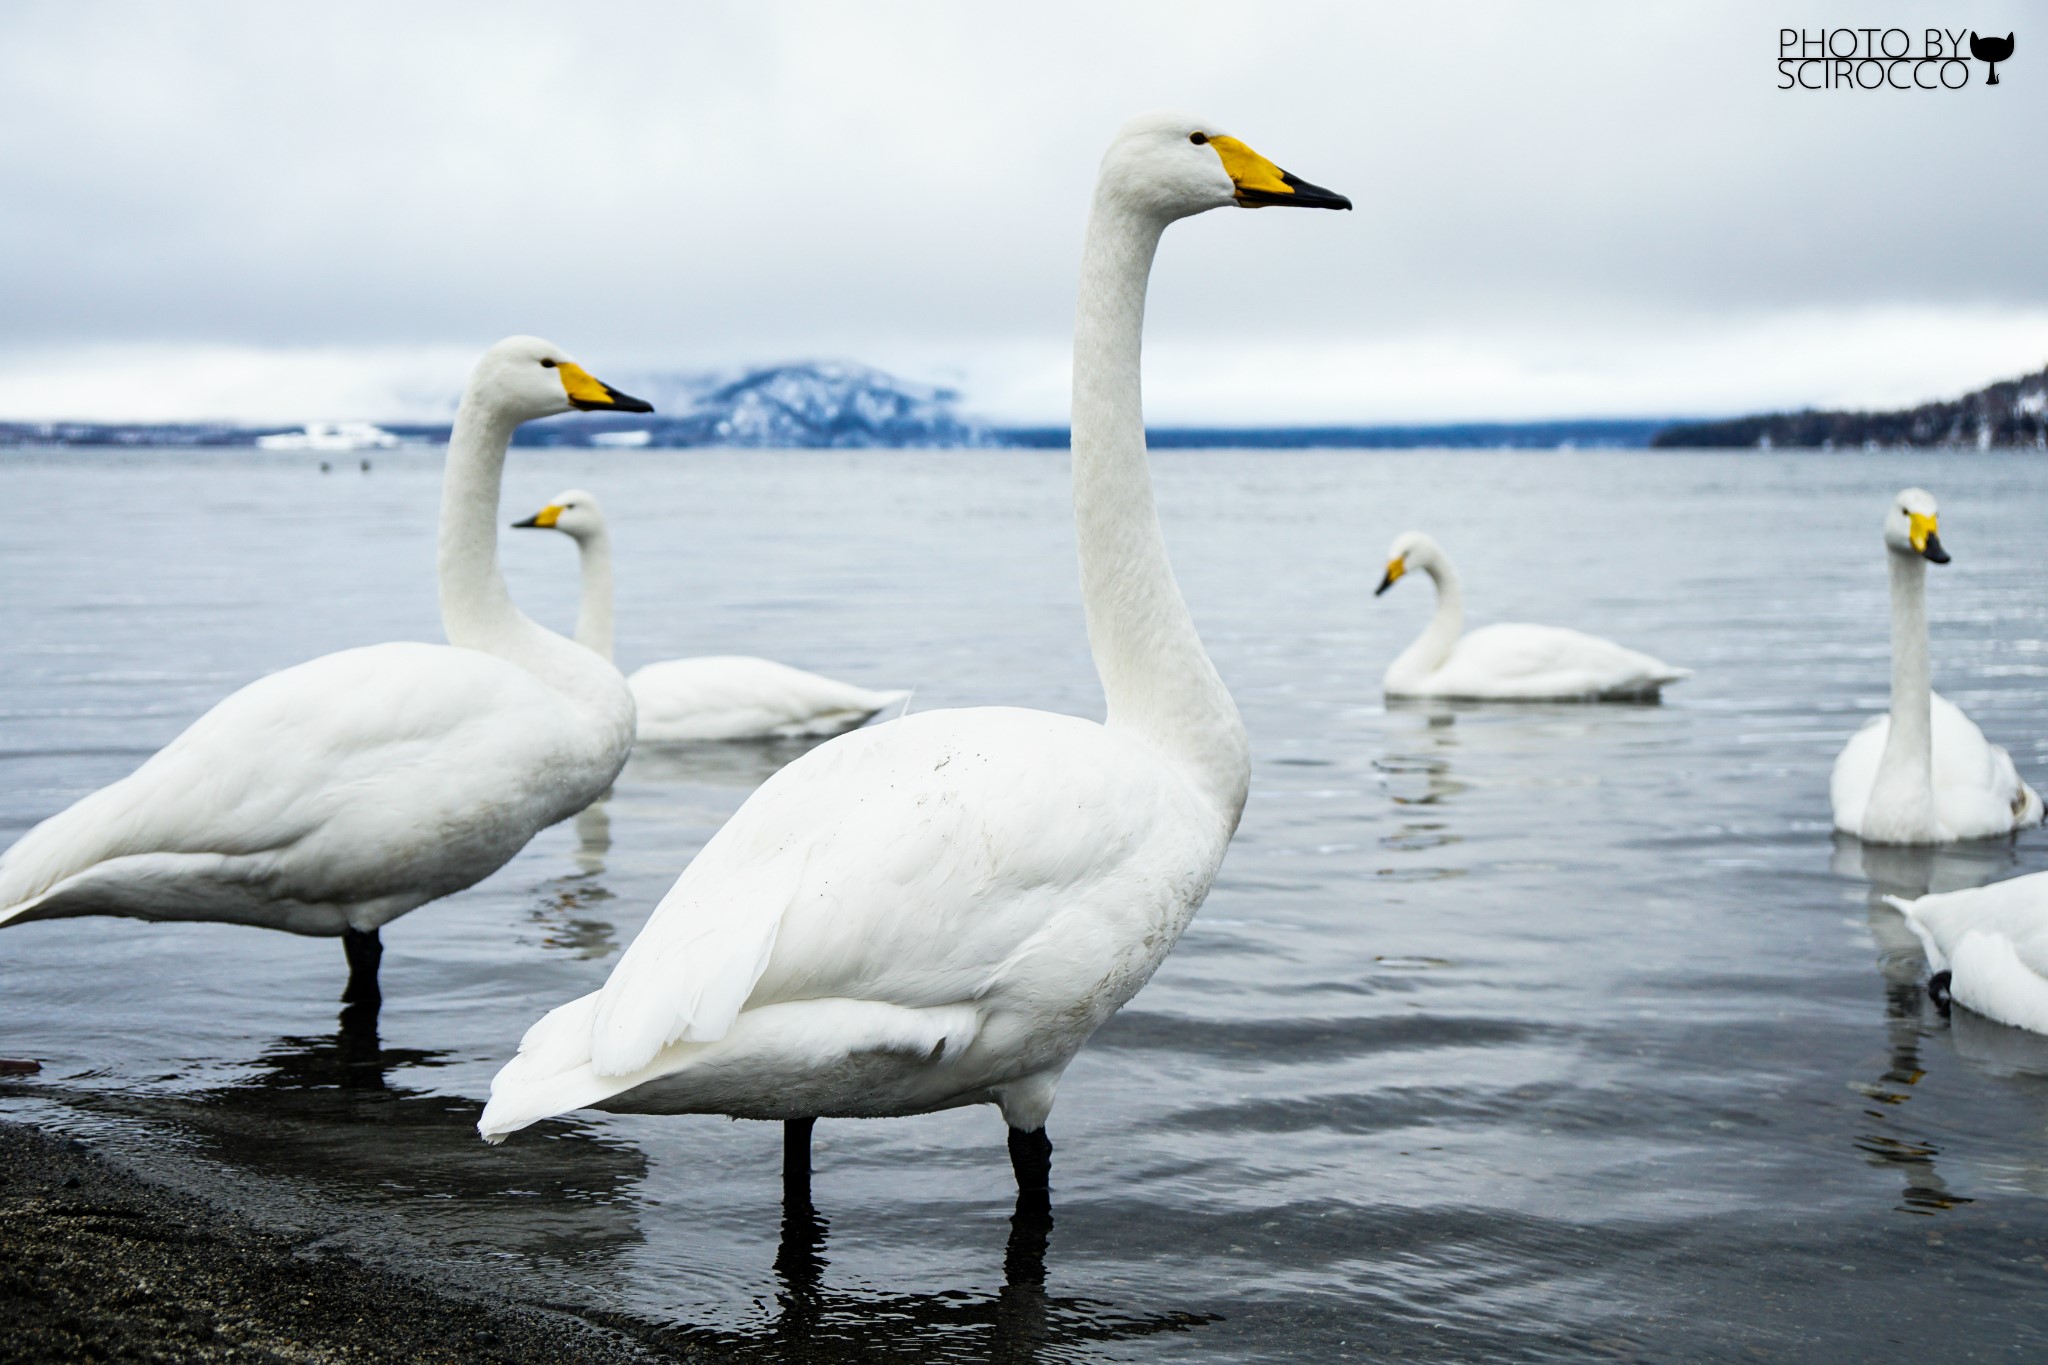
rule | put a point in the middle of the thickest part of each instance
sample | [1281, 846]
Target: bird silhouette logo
[1990, 51]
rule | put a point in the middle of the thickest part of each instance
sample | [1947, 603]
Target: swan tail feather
[686, 977]
[550, 1075]
[1937, 960]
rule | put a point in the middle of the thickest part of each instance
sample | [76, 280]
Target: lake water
[1507, 1033]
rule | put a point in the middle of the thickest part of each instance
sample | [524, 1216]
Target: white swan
[939, 910]
[1508, 662]
[1988, 947]
[1923, 774]
[334, 796]
[717, 696]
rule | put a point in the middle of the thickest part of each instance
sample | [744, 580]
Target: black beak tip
[1300, 195]
[1934, 550]
[614, 401]
[532, 521]
[1315, 196]
[1385, 583]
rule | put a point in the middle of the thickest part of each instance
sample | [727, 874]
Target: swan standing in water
[1988, 948]
[1924, 774]
[332, 797]
[1509, 662]
[716, 696]
[939, 910]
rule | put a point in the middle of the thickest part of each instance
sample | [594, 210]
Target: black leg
[365, 950]
[1030, 1227]
[796, 1159]
[1031, 1159]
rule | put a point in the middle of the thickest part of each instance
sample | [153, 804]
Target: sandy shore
[99, 1264]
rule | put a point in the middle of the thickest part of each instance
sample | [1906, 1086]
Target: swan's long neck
[1905, 774]
[1434, 645]
[476, 608]
[1158, 680]
[594, 615]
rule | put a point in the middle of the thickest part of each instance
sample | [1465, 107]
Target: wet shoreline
[98, 1262]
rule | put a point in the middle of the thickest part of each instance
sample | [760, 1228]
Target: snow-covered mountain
[805, 405]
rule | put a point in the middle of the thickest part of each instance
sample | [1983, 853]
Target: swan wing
[2016, 909]
[737, 697]
[393, 772]
[1527, 661]
[908, 864]
[1977, 789]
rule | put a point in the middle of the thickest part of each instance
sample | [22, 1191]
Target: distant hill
[1626, 433]
[2012, 413]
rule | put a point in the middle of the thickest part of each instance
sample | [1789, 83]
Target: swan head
[574, 512]
[1410, 550]
[1911, 528]
[1173, 165]
[526, 378]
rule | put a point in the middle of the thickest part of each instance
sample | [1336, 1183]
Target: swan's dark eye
[548, 363]
[1199, 139]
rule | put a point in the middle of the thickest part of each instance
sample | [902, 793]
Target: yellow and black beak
[547, 516]
[1395, 568]
[1260, 183]
[1925, 538]
[592, 394]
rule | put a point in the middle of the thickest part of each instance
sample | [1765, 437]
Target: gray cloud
[1542, 191]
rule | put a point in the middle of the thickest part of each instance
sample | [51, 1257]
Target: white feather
[723, 696]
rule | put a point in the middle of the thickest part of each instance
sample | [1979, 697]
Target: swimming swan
[1511, 662]
[939, 910]
[716, 696]
[1924, 774]
[334, 796]
[1988, 947]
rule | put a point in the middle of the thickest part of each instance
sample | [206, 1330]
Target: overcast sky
[268, 212]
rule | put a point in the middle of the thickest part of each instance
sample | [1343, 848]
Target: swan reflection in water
[1417, 767]
[1891, 1137]
[567, 909]
[1019, 1322]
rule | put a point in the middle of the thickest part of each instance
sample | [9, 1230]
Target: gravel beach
[99, 1264]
